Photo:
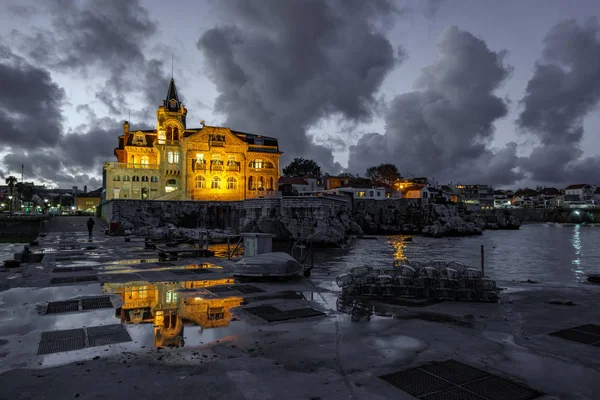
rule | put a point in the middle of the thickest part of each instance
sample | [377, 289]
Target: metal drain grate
[108, 334]
[247, 289]
[75, 339]
[57, 307]
[73, 279]
[496, 388]
[58, 341]
[71, 269]
[273, 314]
[452, 380]
[95, 303]
[586, 334]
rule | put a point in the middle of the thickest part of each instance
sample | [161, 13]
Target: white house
[416, 192]
[580, 192]
[359, 192]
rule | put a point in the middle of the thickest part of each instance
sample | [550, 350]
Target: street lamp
[10, 203]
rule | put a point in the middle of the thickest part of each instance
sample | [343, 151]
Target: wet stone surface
[152, 332]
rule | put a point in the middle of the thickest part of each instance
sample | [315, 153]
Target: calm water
[541, 252]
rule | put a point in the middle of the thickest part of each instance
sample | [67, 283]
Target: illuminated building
[174, 162]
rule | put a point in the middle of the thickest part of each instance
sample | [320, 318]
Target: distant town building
[88, 201]
[174, 162]
[477, 196]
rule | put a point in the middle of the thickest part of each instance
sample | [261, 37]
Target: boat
[277, 264]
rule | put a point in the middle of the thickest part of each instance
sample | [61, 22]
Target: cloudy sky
[471, 91]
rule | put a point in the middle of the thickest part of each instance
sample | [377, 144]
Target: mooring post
[482, 262]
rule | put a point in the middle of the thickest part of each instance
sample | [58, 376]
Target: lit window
[361, 194]
[200, 158]
[260, 183]
[215, 183]
[126, 178]
[231, 183]
[231, 158]
[145, 161]
[200, 182]
[257, 164]
[173, 157]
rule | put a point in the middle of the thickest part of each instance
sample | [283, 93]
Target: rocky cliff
[437, 220]
[322, 220]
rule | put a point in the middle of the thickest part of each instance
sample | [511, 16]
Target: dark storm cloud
[30, 104]
[444, 129]
[101, 38]
[564, 88]
[285, 65]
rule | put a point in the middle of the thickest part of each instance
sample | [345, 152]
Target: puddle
[173, 308]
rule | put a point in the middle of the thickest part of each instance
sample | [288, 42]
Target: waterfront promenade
[318, 357]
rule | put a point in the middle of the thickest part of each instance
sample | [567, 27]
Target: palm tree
[11, 181]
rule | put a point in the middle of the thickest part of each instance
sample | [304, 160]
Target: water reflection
[576, 242]
[399, 244]
[168, 305]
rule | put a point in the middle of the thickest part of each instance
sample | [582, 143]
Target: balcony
[217, 140]
[216, 165]
[198, 165]
[233, 166]
[118, 165]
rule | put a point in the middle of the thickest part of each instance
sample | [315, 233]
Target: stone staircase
[174, 195]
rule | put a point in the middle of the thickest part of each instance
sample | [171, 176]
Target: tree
[384, 174]
[11, 181]
[300, 167]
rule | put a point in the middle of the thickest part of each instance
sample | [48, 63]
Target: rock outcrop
[436, 220]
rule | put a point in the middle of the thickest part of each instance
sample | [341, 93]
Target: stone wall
[326, 221]
[541, 215]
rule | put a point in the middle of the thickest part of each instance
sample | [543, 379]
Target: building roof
[292, 180]
[413, 187]
[577, 186]
[172, 95]
[93, 193]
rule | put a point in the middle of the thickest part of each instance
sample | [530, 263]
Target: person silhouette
[90, 226]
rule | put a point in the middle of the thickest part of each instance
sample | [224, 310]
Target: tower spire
[172, 102]
[172, 65]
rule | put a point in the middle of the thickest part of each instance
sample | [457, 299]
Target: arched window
[200, 182]
[176, 133]
[231, 183]
[144, 179]
[133, 159]
[126, 178]
[154, 179]
[116, 178]
[171, 185]
[270, 184]
[136, 178]
[260, 183]
[251, 181]
[145, 160]
[145, 193]
[215, 183]
[169, 133]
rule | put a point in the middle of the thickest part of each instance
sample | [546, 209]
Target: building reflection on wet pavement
[169, 305]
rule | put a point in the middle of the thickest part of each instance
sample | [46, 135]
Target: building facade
[174, 162]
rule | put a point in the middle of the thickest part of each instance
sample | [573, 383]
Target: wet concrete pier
[107, 319]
